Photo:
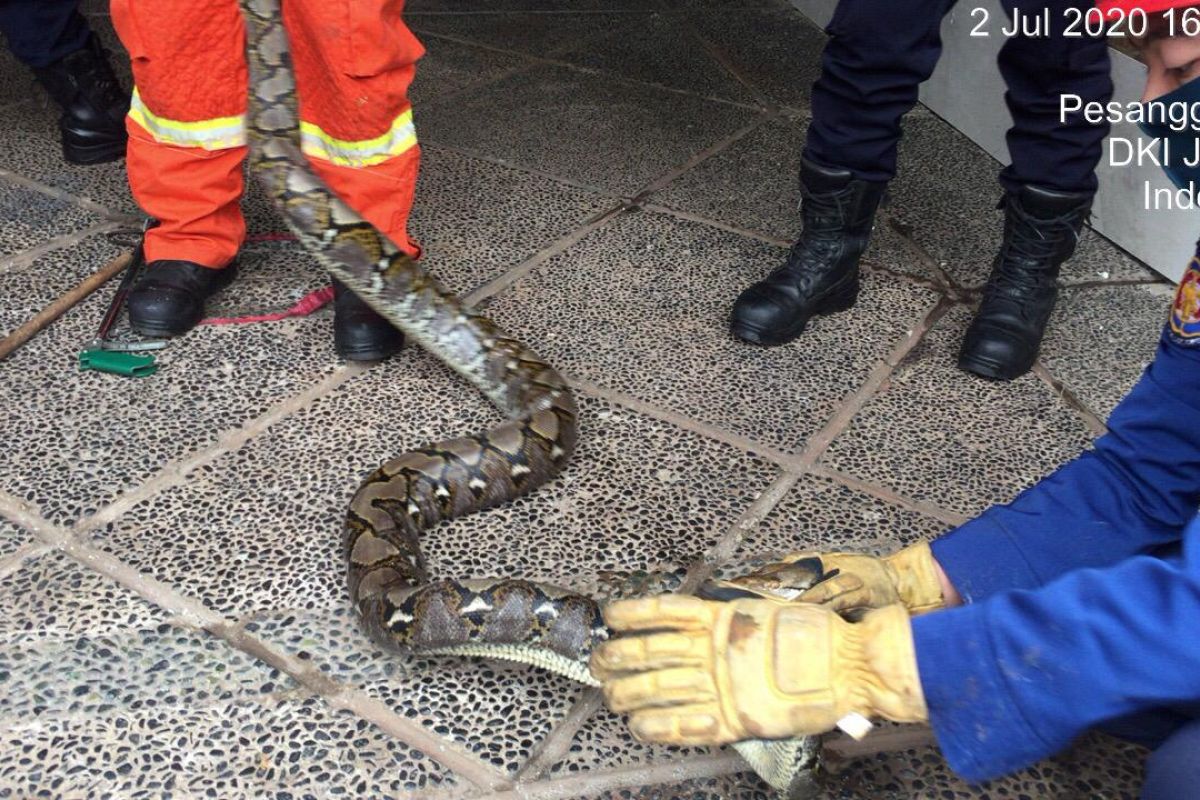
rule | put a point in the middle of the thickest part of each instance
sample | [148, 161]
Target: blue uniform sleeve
[1132, 494]
[1015, 678]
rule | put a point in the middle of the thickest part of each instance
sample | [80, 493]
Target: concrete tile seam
[1071, 400]
[707, 430]
[503, 281]
[593, 782]
[176, 472]
[195, 615]
[885, 494]
[1108, 284]
[473, 85]
[502, 162]
[748, 521]
[599, 72]
[25, 258]
[557, 743]
[704, 155]
[820, 441]
[904, 232]
[67, 197]
[659, 208]
[722, 59]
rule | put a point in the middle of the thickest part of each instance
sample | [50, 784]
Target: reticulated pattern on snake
[400, 606]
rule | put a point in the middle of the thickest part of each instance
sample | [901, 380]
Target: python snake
[400, 607]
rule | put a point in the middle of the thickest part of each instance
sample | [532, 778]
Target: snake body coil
[400, 607]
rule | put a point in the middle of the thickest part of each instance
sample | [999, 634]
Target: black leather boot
[821, 272]
[359, 333]
[1041, 228]
[93, 101]
[169, 297]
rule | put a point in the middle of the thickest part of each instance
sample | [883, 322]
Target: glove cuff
[891, 684]
[916, 578]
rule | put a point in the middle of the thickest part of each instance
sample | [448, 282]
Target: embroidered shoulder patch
[1185, 311]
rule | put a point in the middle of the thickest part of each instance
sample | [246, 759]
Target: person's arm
[1014, 679]
[1130, 495]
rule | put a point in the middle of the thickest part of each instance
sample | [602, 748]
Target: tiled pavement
[605, 176]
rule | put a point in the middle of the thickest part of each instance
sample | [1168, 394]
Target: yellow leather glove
[702, 672]
[851, 583]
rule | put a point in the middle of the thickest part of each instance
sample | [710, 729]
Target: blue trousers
[880, 51]
[40, 32]
[1173, 770]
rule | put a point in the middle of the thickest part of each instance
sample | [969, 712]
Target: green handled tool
[121, 358]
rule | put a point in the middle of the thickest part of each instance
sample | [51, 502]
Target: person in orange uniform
[187, 143]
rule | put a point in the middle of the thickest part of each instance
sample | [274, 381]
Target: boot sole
[369, 355]
[843, 300]
[99, 153]
[986, 368]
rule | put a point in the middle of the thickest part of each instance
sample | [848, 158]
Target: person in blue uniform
[54, 40]
[1076, 606]
[877, 55]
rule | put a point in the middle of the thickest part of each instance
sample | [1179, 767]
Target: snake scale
[400, 607]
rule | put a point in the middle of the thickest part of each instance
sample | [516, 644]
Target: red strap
[307, 305]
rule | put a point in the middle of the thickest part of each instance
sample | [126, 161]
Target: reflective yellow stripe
[319, 144]
[219, 133]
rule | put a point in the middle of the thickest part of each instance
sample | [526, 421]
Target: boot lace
[1028, 263]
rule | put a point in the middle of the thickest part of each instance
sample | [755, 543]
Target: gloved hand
[851, 583]
[702, 672]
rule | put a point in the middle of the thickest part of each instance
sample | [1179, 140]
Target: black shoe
[1041, 228]
[821, 273]
[93, 102]
[169, 297]
[359, 333]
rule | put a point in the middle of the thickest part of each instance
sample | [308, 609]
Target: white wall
[967, 91]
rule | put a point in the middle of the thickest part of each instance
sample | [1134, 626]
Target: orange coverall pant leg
[187, 138]
[353, 62]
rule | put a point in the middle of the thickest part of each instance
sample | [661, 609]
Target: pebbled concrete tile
[778, 52]
[12, 538]
[30, 147]
[542, 34]
[127, 671]
[604, 742]
[945, 193]
[415, 8]
[641, 305]
[25, 291]
[449, 66]
[1099, 340]
[819, 514]
[656, 49]
[952, 439]
[753, 184]
[272, 277]
[54, 598]
[477, 219]
[499, 711]
[32, 218]
[582, 127]
[288, 749]
[261, 528]
[92, 436]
